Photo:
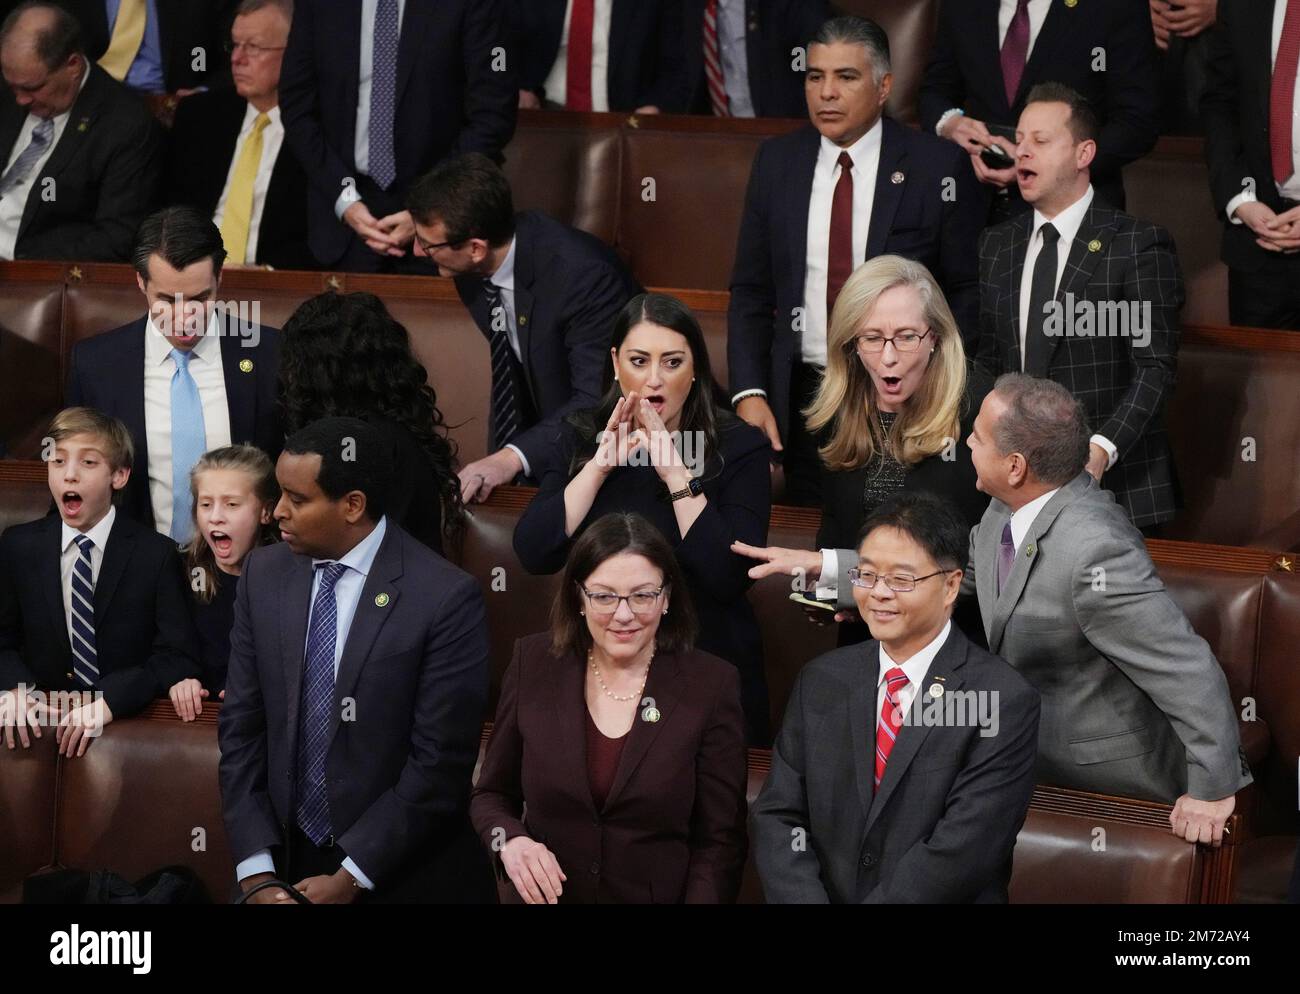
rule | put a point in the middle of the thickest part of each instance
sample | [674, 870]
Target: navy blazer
[450, 98]
[645, 50]
[569, 288]
[144, 638]
[911, 217]
[106, 372]
[414, 677]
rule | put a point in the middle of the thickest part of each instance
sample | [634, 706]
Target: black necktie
[1042, 292]
[505, 406]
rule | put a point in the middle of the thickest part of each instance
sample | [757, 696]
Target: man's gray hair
[56, 41]
[1045, 423]
[858, 31]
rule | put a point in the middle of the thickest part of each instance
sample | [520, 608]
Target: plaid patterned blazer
[1124, 381]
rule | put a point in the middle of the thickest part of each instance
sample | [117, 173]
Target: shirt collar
[504, 277]
[916, 667]
[98, 534]
[361, 557]
[158, 350]
[1068, 221]
[861, 151]
[250, 115]
[1023, 519]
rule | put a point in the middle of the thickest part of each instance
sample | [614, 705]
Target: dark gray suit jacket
[941, 827]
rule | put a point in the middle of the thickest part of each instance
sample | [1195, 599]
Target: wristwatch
[693, 489]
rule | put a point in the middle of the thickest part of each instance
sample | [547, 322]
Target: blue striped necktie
[505, 401]
[317, 699]
[383, 94]
[85, 663]
[29, 156]
[188, 443]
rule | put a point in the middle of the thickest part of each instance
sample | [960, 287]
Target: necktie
[713, 62]
[128, 35]
[1042, 294]
[1015, 51]
[505, 402]
[28, 157]
[840, 260]
[237, 221]
[1281, 110]
[317, 700]
[577, 68]
[1006, 556]
[188, 442]
[85, 663]
[383, 95]
[891, 719]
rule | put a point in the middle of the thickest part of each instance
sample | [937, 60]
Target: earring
[665, 610]
[583, 613]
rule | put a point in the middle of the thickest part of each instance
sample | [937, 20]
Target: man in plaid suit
[1089, 297]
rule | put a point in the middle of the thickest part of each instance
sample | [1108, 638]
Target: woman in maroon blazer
[626, 744]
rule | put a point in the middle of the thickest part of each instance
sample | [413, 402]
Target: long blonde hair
[254, 463]
[846, 400]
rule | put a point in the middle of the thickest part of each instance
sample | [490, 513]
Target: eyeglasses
[904, 341]
[431, 247]
[606, 602]
[900, 583]
[253, 51]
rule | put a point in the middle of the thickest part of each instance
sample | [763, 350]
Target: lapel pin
[936, 690]
[83, 124]
[650, 714]
[1095, 244]
[381, 600]
[897, 178]
[1031, 550]
[523, 319]
[245, 365]
[1072, 3]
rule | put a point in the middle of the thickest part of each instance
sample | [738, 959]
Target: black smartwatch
[693, 489]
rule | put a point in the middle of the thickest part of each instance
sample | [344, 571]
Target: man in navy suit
[374, 93]
[191, 376]
[354, 701]
[544, 295]
[821, 201]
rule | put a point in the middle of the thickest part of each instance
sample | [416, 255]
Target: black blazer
[910, 218]
[942, 825]
[569, 288]
[1234, 108]
[1123, 382]
[106, 372]
[416, 666]
[203, 141]
[415, 499]
[965, 71]
[451, 98]
[144, 638]
[105, 170]
[673, 827]
[772, 29]
[645, 46]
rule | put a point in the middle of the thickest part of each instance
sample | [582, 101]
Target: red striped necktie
[713, 62]
[577, 82]
[891, 719]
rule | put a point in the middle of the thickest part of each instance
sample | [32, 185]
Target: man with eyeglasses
[228, 156]
[905, 765]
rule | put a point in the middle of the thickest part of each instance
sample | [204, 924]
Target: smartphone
[808, 602]
[996, 157]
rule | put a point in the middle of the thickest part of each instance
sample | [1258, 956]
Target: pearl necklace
[591, 661]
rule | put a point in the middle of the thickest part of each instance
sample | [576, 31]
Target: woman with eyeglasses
[616, 768]
[897, 402]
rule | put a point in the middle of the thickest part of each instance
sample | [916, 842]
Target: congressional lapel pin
[245, 365]
[381, 600]
[523, 319]
[1072, 3]
[649, 713]
[1030, 550]
[1094, 245]
[83, 124]
[936, 690]
[897, 178]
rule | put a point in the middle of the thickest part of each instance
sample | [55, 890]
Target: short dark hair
[367, 468]
[932, 521]
[182, 235]
[1045, 423]
[470, 195]
[285, 7]
[854, 30]
[56, 43]
[610, 536]
[1083, 122]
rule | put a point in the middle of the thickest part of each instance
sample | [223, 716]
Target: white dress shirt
[734, 56]
[557, 80]
[159, 367]
[14, 203]
[71, 553]
[347, 595]
[1023, 519]
[914, 669]
[272, 140]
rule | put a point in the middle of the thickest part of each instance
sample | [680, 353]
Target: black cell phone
[996, 157]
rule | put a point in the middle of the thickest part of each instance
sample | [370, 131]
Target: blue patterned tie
[317, 699]
[85, 663]
[28, 157]
[383, 94]
[505, 403]
[188, 441]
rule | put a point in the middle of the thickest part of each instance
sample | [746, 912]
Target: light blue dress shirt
[146, 72]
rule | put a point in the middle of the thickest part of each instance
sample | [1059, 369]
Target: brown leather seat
[910, 25]
[27, 803]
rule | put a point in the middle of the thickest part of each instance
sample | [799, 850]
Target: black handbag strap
[288, 888]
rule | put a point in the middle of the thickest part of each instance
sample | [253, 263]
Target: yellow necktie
[128, 35]
[237, 220]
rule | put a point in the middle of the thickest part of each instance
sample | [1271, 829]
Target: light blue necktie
[188, 440]
[85, 661]
[313, 812]
[28, 157]
[383, 94]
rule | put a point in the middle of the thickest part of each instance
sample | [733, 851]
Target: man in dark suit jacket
[544, 295]
[905, 193]
[453, 89]
[133, 639]
[984, 49]
[1089, 297]
[756, 42]
[924, 803]
[1255, 172]
[354, 700]
[80, 158]
[130, 372]
[642, 52]
[212, 132]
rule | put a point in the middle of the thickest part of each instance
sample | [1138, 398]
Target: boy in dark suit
[90, 601]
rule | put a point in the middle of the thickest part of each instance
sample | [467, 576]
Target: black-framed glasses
[903, 341]
[254, 51]
[606, 601]
[899, 583]
[431, 247]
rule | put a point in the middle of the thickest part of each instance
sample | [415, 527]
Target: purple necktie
[1006, 556]
[383, 94]
[1015, 50]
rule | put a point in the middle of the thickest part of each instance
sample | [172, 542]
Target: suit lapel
[82, 121]
[241, 386]
[295, 603]
[862, 720]
[1097, 229]
[525, 258]
[50, 579]
[799, 203]
[130, 382]
[663, 686]
[414, 21]
[1015, 262]
[569, 702]
[888, 194]
[11, 123]
[989, 48]
[117, 555]
[1055, 29]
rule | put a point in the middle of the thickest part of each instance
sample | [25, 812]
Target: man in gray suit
[905, 765]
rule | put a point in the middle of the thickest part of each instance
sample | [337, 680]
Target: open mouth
[72, 502]
[891, 385]
[1026, 175]
[221, 544]
[656, 401]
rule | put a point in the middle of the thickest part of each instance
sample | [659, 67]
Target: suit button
[68, 675]
[868, 861]
[595, 868]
